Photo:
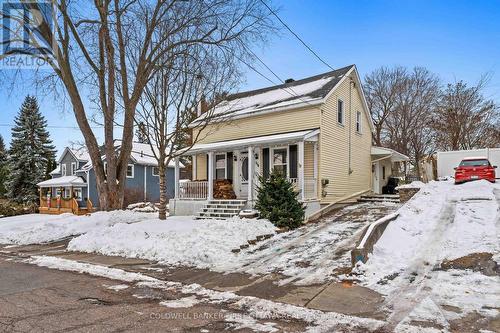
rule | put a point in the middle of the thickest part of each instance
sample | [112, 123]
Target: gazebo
[64, 195]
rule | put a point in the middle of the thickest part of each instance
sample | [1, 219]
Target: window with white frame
[280, 160]
[156, 171]
[73, 168]
[130, 171]
[63, 170]
[220, 166]
[77, 192]
[67, 193]
[340, 111]
[358, 122]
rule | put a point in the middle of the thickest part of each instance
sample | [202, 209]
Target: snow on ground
[257, 308]
[442, 221]
[176, 241]
[40, 228]
[313, 253]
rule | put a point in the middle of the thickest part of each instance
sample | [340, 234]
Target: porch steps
[379, 198]
[221, 209]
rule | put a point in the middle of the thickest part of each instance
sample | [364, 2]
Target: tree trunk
[162, 214]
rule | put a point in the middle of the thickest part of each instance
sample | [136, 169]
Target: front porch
[64, 195]
[230, 170]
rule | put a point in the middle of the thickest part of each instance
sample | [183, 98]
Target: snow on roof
[253, 141]
[395, 156]
[475, 158]
[56, 171]
[141, 154]
[63, 181]
[81, 154]
[310, 90]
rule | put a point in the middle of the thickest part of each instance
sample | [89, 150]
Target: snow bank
[414, 184]
[176, 241]
[39, 228]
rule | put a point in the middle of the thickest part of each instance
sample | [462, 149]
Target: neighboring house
[74, 178]
[317, 131]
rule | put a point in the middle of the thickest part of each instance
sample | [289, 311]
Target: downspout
[351, 83]
[88, 184]
[145, 185]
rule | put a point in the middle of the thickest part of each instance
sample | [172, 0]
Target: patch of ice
[117, 287]
[185, 302]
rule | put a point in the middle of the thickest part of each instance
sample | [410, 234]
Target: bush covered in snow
[277, 201]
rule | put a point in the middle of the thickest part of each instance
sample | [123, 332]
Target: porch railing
[310, 187]
[193, 190]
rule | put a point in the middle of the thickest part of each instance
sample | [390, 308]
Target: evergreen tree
[277, 201]
[30, 152]
[4, 171]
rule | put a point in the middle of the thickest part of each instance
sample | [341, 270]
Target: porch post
[210, 175]
[194, 173]
[301, 170]
[176, 178]
[250, 173]
[315, 171]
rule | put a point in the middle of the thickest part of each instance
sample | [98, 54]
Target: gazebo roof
[74, 181]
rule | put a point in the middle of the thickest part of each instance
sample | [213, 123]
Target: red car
[474, 168]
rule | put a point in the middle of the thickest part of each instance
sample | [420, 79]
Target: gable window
[220, 166]
[73, 168]
[63, 170]
[130, 171]
[358, 122]
[280, 160]
[340, 111]
[156, 171]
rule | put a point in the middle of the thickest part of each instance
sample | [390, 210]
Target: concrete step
[224, 206]
[228, 202]
[223, 210]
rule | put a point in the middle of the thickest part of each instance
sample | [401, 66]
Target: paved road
[35, 299]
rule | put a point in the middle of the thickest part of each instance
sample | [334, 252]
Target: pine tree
[277, 201]
[30, 152]
[4, 171]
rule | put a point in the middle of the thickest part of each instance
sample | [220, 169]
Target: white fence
[193, 190]
[447, 160]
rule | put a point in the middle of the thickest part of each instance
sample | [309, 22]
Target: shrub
[277, 201]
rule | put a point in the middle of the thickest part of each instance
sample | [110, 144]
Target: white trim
[73, 168]
[210, 175]
[300, 169]
[251, 161]
[133, 170]
[63, 169]
[145, 182]
[195, 167]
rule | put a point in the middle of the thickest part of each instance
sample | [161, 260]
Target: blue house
[73, 184]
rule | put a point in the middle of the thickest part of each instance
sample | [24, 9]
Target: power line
[297, 36]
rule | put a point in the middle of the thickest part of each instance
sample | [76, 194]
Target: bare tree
[409, 125]
[381, 88]
[112, 49]
[465, 119]
[176, 96]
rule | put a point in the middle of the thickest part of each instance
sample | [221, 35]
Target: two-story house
[317, 131]
[73, 184]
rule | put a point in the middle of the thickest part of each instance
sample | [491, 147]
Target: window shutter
[293, 161]
[265, 163]
[207, 166]
[229, 165]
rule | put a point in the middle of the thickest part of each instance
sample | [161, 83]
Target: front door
[243, 174]
[376, 177]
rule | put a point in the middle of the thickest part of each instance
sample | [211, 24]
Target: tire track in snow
[403, 300]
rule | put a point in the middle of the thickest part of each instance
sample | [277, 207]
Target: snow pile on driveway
[39, 228]
[440, 223]
[175, 241]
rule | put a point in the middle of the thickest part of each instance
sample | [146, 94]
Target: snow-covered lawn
[442, 222]
[40, 228]
[176, 241]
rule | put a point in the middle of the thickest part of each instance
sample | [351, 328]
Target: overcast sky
[458, 40]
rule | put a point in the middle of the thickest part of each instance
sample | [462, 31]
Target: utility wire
[297, 36]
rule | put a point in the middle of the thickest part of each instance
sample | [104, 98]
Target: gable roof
[309, 91]
[80, 154]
